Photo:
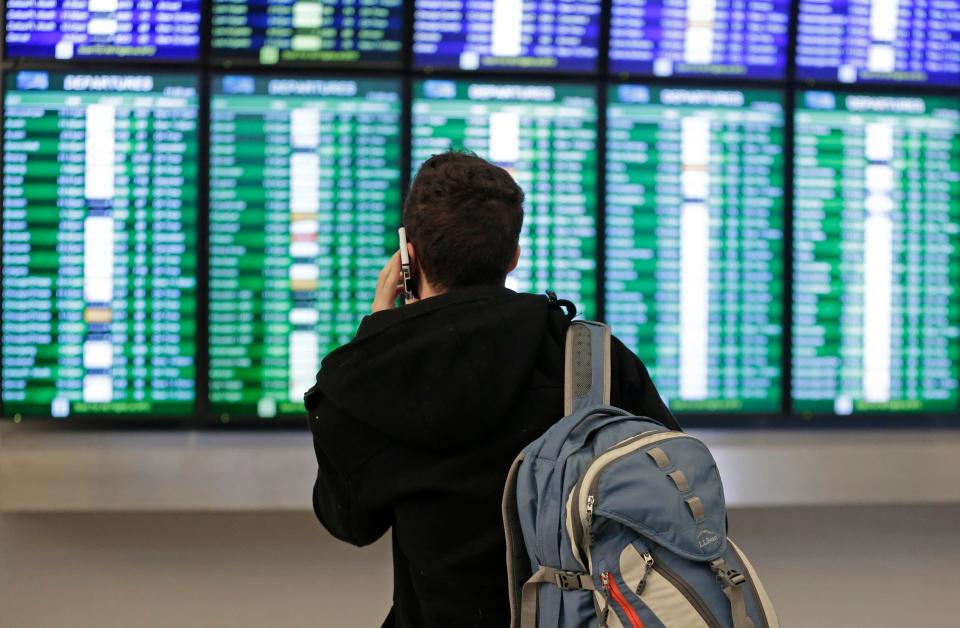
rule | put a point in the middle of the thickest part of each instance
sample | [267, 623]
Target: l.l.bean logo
[707, 538]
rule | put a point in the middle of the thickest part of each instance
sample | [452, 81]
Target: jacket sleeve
[348, 510]
[634, 391]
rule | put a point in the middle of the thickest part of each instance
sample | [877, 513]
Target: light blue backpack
[612, 520]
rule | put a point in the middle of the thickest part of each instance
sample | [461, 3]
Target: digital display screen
[545, 135]
[694, 241]
[876, 263]
[99, 244]
[166, 30]
[718, 38]
[304, 209]
[864, 41]
[329, 32]
[558, 35]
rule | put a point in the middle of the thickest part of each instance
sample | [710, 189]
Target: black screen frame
[204, 68]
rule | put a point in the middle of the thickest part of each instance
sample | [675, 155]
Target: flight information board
[558, 35]
[868, 41]
[546, 137]
[722, 38]
[304, 207]
[694, 239]
[876, 268]
[329, 32]
[103, 29]
[99, 244]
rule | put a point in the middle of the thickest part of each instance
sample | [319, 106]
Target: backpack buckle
[727, 576]
[568, 580]
[734, 577]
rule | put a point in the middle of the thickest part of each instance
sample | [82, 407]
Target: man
[416, 421]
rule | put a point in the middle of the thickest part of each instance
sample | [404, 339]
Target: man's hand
[388, 285]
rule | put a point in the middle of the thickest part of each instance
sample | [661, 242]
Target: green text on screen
[304, 207]
[876, 266]
[694, 240]
[100, 239]
[545, 135]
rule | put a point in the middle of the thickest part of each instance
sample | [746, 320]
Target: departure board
[103, 29]
[329, 32]
[694, 241]
[876, 269]
[542, 35]
[546, 137]
[709, 38]
[304, 208]
[864, 41]
[99, 244]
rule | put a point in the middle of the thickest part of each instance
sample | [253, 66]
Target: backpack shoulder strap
[587, 366]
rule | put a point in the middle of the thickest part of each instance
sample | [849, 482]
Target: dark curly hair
[463, 215]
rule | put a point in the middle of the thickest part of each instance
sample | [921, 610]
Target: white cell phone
[406, 273]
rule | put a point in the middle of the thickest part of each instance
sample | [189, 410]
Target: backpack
[612, 520]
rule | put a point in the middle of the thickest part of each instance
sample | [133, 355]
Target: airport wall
[879, 566]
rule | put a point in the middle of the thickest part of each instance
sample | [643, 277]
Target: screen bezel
[204, 69]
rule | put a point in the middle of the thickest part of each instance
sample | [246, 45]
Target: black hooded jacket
[415, 423]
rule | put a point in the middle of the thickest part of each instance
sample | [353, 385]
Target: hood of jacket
[442, 372]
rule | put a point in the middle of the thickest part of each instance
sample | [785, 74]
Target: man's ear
[419, 278]
[412, 253]
[516, 260]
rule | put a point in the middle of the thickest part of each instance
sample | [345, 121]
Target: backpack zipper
[591, 502]
[753, 588]
[687, 591]
[583, 525]
[578, 525]
[647, 567]
[613, 591]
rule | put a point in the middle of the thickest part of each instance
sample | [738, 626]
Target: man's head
[463, 216]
